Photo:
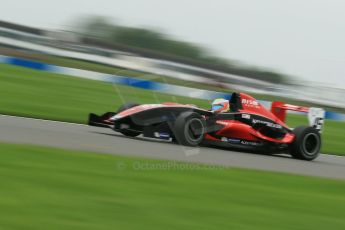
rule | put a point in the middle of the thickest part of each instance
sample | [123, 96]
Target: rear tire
[189, 129]
[126, 132]
[307, 143]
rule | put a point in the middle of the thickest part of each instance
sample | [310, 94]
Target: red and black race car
[246, 125]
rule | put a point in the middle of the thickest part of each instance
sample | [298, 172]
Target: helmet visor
[217, 107]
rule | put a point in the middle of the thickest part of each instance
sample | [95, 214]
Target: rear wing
[316, 116]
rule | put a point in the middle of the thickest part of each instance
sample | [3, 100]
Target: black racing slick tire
[307, 143]
[189, 129]
[126, 132]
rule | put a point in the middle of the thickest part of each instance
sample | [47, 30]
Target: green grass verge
[58, 189]
[40, 94]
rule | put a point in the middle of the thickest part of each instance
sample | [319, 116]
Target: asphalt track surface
[101, 140]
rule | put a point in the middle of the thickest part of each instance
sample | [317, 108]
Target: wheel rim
[311, 144]
[195, 130]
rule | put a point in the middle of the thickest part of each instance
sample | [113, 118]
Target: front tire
[189, 129]
[307, 143]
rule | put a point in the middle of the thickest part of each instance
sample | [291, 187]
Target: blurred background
[266, 48]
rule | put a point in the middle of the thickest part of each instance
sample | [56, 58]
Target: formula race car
[240, 122]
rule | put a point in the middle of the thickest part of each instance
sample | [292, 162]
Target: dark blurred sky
[301, 38]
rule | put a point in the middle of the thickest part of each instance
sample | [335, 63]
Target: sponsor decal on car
[162, 135]
[267, 123]
[236, 141]
[230, 140]
[245, 116]
[239, 141]
[250, 103]
[251, 143]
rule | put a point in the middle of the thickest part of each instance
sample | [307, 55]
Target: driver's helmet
[220, 105]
